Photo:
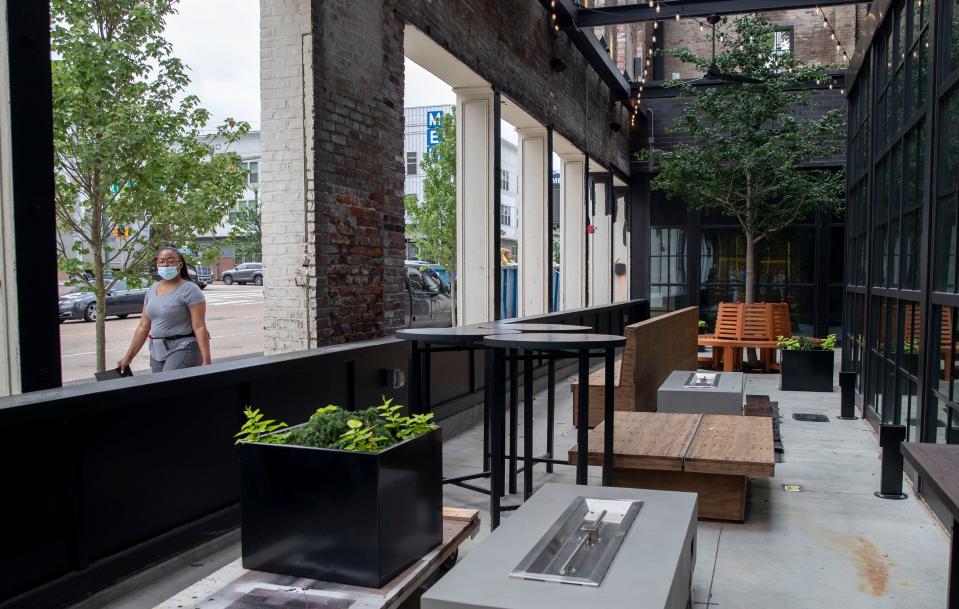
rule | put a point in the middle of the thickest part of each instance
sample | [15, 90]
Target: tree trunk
[751, 355]
[100, 291]
[750, 268]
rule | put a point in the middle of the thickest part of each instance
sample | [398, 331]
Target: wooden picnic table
[234, 587]
[707, 454]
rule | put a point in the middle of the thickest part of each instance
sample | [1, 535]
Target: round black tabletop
[553, 341]
[452, 336]
[534, 327]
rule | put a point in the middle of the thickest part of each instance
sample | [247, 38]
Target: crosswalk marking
[233, 297]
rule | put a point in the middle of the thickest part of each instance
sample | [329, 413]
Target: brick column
[331, 175]
[572, 211]
[534, 228]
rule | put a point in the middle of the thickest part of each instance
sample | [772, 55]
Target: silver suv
[248, 272]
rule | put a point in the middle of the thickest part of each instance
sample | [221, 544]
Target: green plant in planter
[702, 324]
[370, 430]
[801, 343]
[258, 429]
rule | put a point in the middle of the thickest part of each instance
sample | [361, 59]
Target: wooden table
[234, 587]
[938, 469]
[707, 454]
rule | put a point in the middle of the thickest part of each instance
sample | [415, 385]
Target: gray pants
[187, 357]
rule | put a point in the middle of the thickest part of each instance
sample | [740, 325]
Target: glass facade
[701, 259]
[902, 292]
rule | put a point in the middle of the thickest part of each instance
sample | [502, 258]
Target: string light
[832, 35]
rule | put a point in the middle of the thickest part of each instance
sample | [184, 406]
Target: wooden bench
[707, 454]
[654, 348]
[747, 326]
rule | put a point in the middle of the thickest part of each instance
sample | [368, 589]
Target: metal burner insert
[702, 379]
[580, 546]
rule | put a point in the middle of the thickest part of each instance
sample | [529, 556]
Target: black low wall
[101, 480]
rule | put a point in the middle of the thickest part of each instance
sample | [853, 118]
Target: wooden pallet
[234, 587]
[711, 455]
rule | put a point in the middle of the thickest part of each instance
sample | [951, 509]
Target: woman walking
[174, 317]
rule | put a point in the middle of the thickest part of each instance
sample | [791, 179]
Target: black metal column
[497, 418]
[31, 143]
[513, 427]
[550, 409]
[549, 219]
[497, 208]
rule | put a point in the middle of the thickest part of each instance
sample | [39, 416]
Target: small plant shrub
[370, 430]
[801, 343]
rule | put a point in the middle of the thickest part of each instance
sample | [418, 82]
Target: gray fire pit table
[652, 568]
[701, 393]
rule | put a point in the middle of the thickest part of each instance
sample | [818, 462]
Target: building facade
[419, 127]
[902, 300]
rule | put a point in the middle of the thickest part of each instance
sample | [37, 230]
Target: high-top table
[549, 458]
[581, 347]
[425, 341]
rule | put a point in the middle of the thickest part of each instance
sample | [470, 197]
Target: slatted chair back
[757, 322]
[782, 325]
[729, 321]
[945, 328]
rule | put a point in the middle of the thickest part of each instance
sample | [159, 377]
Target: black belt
[176, 336]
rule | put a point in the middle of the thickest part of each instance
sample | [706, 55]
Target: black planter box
[806, 370]
[341, 516]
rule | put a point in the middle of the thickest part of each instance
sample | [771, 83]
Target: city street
[234, 317]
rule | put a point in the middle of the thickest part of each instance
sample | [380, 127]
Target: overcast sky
[220, 42]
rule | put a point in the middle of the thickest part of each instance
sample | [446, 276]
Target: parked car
[121, 301]
[200, 275]
[248, 272]
[437, 268]
[427, 303]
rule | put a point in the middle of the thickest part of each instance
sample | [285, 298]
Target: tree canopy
[134, 164]
[750, 149]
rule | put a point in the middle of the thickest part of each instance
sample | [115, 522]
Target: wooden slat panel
[720, 497]
[732, 445]
[644, 440]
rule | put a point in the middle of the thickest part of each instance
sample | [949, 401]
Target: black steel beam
[31, 139]
[591, 49]
[634, 13]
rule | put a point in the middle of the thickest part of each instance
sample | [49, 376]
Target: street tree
[134, 164]
[246, 234]
[748, 147]
[432, 221]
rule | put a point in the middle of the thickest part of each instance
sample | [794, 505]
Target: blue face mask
[168, 272]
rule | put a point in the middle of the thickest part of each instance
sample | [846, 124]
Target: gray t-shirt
[170, 315]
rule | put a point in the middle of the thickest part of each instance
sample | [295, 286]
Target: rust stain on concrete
[873, 566]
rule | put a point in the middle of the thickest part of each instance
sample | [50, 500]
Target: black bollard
[847, 388]
[890, 439]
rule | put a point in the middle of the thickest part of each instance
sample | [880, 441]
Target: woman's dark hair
[169, 248]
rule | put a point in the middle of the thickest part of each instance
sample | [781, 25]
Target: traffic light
[116, 232]
[126, 232]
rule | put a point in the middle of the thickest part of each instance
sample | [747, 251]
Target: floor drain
[810, 418]
[792, 488]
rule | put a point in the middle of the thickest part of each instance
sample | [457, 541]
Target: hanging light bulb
[651, 3]
[677, 16]
[658, 7]
[842, 91]
[552, 3]
[654, 38]
[655, 25]
[556, 26]
[838, 48]
[830, 86]
[701, 28]
[832, 35]
[825, 24]
[844, 56]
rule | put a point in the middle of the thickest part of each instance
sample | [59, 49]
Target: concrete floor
[832, 545]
